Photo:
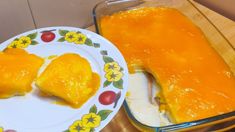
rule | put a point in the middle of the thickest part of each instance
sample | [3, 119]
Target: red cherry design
[47, 36]
[107, 97]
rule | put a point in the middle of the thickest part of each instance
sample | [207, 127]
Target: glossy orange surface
[70, 78]
[17, 72]
[196, 83]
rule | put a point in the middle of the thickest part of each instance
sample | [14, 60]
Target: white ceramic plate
[31, 113]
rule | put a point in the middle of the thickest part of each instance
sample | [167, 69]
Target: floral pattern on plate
[76, 37]
[114, 73]
[24, 41]
[89, 121]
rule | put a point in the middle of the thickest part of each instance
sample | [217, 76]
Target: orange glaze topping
[17, 71]
[69, 77]
[196, 83]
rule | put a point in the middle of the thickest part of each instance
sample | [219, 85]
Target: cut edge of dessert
[193, 58]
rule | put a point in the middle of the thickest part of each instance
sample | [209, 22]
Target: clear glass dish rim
[174, 126]
[180, 125]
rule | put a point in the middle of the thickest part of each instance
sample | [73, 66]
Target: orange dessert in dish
[195, 81]
[70, 78]
[17, 71]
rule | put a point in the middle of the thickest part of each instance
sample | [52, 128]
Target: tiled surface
[15, 18]
[76, 13]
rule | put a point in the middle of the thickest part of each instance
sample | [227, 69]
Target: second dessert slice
[70, 78]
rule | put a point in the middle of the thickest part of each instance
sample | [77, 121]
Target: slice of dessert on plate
[70, 78]
[18, 69]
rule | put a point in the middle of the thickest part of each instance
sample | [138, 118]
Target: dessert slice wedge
[69, 77]
[18, 69]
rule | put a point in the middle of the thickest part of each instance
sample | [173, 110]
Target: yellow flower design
[24, 42]
[80, 39]
[113, 76]
[111, 66]
[1, 129]
[13, 44]
[71, 36]
[78, 127]
[91, 120]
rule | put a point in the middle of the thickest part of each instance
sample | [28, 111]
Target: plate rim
[87, 32]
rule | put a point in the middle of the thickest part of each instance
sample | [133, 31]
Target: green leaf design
[93, 109]
[107, 59]
[118, 84]
[32, 35]
[106, 83]
[61, 39]
[92, 130]
[16, 39]
[78, 32]
[33, 42]
[96, 45]
[63, 32]
[103, 52]
[118, 95]
[89, 42]
[121, 69]
[66, 131]
[104, 114]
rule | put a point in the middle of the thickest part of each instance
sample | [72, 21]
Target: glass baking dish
[217, 40]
